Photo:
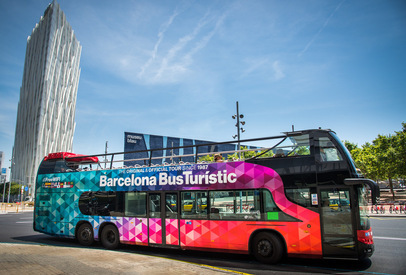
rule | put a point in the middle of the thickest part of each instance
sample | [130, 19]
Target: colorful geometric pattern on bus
[227, 235]
[55, 213]
[301, 237]
[172, 231]
[134, 230]
[155, 231]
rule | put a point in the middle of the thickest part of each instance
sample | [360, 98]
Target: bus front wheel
[85, 234]
[110, 238]
[267, 248]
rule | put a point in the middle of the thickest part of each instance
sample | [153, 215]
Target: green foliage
[350, 146]
[250, 154]
[300, 151]
[207, 158]
[15, 188]
[244, 155]
[384, 158]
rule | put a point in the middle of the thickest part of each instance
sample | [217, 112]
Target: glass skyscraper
[46, 109]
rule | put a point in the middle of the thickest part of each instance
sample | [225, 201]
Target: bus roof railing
[196, 155]
[192, 155]
[197, 146]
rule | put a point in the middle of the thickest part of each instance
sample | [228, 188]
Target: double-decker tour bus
[299, 197]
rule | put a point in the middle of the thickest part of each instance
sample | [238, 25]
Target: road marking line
[387, 218]
[390, 238]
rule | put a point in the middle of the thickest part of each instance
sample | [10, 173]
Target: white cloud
[161, 33]
[165, 58]
[320, 30]
[263, 66]
[254, 64]
[277, 71]
[179, 57]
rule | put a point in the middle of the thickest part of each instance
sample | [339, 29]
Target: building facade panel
[140, 142]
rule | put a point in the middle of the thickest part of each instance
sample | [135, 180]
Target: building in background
[139, 142]
[46, 109]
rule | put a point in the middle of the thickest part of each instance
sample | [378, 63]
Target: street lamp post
[239, 129]
[4, 189]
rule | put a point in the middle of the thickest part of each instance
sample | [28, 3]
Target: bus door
[337, 222]
[163, 218]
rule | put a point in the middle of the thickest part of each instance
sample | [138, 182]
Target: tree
[387, 158]
[250, 154]
[244, 155]
[400, 147]
[350, 146]
[384, 158]
[15, 189]
[207, 158]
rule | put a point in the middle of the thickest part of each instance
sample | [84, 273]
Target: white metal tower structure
[46, 109]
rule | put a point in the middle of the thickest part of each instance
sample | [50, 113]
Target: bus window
[100, 203]
[336, 209]
[239, 204]
[84, 203]
[293, 146]
[194, 204]
[61, 167]
[300, 196]
[135, 204]
[155, 205]
[47, 167]
[171, 205]
[363, 208]
[53, 166]
[271, 210]
[328, 152]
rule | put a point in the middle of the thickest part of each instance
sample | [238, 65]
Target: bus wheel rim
[264, 248]
[111, 237]
[86, 234]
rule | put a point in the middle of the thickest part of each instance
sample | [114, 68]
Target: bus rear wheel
[110, 238]
[85, 234]
[267, 248]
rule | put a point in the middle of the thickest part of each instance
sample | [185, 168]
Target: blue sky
[177, 68]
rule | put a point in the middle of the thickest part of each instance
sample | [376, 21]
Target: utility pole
[239, 129]
[105, 156]
[4, 189]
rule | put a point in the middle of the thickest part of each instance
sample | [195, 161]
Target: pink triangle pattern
[155, 231]
[141, 231]
[172, 231]
[133, 230]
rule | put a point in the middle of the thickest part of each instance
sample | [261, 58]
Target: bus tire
[110, 237]
[267, 248]
[85, 234]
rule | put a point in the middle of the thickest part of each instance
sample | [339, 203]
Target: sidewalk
[15, 208]
[47, 259]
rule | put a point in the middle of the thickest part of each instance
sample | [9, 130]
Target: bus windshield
[346, 152]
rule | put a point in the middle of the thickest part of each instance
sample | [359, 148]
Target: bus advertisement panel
[229, 225]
